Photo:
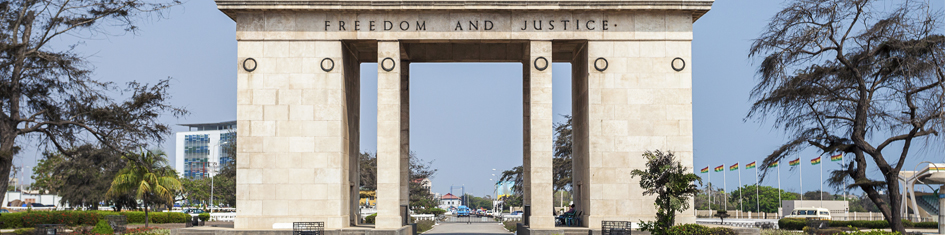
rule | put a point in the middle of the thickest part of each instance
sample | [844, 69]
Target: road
[472, 228]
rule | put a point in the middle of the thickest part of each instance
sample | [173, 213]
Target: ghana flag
[794, 162]
[750, 165]
[705, 170]
[720, 168]
[733, 167]
[838, 157]
[815, 161]
[773, 164]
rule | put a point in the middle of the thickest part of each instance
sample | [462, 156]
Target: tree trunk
[7, 151]
[892, 183]
[147, 220]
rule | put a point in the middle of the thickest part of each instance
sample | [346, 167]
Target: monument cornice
[697, 7]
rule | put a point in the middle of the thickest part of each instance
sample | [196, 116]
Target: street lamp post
[212, 169]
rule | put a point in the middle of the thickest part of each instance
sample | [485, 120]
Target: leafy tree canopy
[862, 78]
[48, 93]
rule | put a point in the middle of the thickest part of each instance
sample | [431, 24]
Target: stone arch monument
[299, 83]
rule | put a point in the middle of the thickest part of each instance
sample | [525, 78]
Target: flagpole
[741, 208]
[725, 186]
[780, 204]
[821, 182]
[710, 188]
[757, 197]
[801, 176]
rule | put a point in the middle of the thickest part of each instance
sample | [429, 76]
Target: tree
[672, 184]
[47, 92]
[846, 76]
[224, 183]
[420, 196]
[562, 155]
[767, 194]
[149, 178]
[368, 169]
[474, 202]
[816, 195]
[81, 179]
[44, 177]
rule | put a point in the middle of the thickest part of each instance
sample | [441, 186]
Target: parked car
[813, 212]
[516, 212]
[462, 211]
[38, 205]
[193, 212]
[4, 211]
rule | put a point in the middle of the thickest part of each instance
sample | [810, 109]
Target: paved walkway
[463, 228]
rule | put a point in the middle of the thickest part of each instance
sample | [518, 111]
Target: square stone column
[537, 159]
[296, 114]
[390, 173]
[404, 132]
[638, 103]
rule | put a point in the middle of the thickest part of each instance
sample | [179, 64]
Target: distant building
[449, 201]
[424, 183]
[202, 144]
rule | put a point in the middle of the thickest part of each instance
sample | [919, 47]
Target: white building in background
[201, 145]
[449, 201]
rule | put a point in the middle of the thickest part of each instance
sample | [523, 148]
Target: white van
[812, 212]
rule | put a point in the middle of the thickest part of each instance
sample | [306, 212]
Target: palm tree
[149, 177]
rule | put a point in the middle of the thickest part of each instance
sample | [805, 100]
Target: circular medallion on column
[388, 64]
[678, 64]
[601, 64]
[249, 64]
[327, 64]
[541, 63]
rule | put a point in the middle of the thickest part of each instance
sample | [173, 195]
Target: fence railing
[423, 217]
[844, 216]
[225, 216]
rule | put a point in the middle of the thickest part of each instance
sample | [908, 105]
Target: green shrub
[511, 225]
[780, 232]
[907, 223]
[102, 227]
[203, 216]
[83, 218]
[721, 231]
[872, 224]
[873, 232]
[926, 225]
[828, 231]
[24, 231]
[70, 218]
[12, 220]
[792, 223]
[688, 229]
[370, 219]
[424, 225]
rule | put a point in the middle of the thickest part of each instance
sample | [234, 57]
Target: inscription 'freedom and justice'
[485, 25]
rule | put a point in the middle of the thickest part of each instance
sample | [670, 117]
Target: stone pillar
[638, 103]
[404, 132]
[294, 123]
[537, 162]
[579, 134]
[389, 166]
[352, 74]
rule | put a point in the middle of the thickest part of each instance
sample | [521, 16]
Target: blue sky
[466, 117]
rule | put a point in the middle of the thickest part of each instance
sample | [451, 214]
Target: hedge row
[799, 224]
[74, 218]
